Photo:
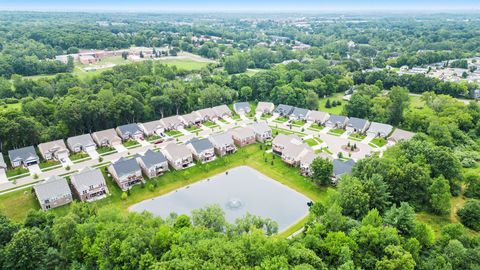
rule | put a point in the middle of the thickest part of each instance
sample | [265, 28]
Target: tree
[353, 198]
[396, 259]
[27, 250]
[470, 214]
[398, 103]
[211, 217]
[322, 171]
[402, 218]
[359, 106]
[440, 196]
[473, 186]
[7, 230]
[378, 194]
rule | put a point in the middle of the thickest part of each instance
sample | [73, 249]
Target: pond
[238, 191]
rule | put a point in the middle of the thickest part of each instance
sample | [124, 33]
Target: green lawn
[311, 142]
[315, 127]
[236, 117]
[11, 172]
[357, 137]
[266, 116]
[174, 133]
[77, 156]
[210, 124]
[48, 163]
[333, 110]
[223, 121]
[281, 119]
[106, 150]
[16, 204]
[379, 142]
[192, 128]
[277, 131]
[131, 144]
[298, 123]
[152, 138]
[185, 64]
[336, 131]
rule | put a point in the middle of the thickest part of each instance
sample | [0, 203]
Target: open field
[333, 110]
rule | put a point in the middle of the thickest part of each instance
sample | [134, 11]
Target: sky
[240, 5]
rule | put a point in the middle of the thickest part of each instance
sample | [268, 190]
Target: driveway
[3, 176]
[120, 148]
[34, 169]
[93, 154]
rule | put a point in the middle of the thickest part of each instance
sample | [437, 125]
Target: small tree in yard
[322, 171]
[124, 196]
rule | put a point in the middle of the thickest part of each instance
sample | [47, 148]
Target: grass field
[332, 110]
[184, 64]
[311, 142]
[379, 142]
[281, 119]
[16, 204]
[174, 133]
[357, 137]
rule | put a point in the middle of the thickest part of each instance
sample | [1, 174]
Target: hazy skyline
[242, 6]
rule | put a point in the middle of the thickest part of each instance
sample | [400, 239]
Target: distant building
[53, 192]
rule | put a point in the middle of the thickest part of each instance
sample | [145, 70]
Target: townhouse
[89, 184]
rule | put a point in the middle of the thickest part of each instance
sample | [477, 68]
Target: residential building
[283, 110]
[400, 134]
[241, 108]
[54, 150]
[25, 156]
[207, 114]
[262, 131]
[265, 107]
[152, 128]
[81, 143]
[293, 153]
[3, 165]
[357, 125]
[307, 160]
[53, 192]
[172, 122]
[178, 156]
[243, 136]
[106, 138]
[340, 168]
[202, 149]
[152, 163]
[281, 141]
[336, 121]
[192, 118]
[223, 143]
[89, 184]
[317, 117]
[129, 131]
[126, 172]
[298, 114]
[222, 111]
[379, 130]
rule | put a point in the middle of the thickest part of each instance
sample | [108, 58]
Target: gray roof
[151, 158]
[201, 145]
[265, 107]
[207, 113]
[24, 153]
[357, 123]
[260, 127]
[243, 133]
[317, 116]
[192, 117]
[337, 119]
[53, 187]
[86, 178]
[177, 151]
[171, 121]
[241, 106]
[107, 134]
[83, 140]
[129, 129]
[380, 128]
[400, 134]
[284, 109]
[150, 127]
[342, 167]
[47, 146]
[283, 139]
[125, 166]
[222, 110]
[221, 139]
[299, 112]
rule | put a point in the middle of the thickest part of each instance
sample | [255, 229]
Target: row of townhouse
[350, 124]
[296, 153]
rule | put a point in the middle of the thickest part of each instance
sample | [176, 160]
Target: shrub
[470, 214]
[124, 196]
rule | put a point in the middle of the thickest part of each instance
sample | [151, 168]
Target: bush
[124, 196]
[470, 214]
[150, 187]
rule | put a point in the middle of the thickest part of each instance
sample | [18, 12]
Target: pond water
[240, 191]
